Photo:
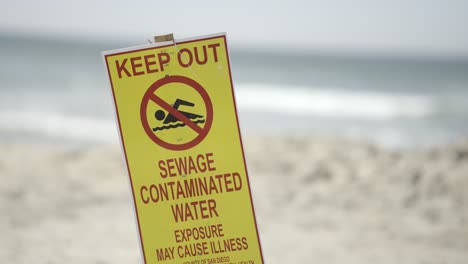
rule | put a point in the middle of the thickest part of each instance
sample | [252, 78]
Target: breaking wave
[298, 100]
[38, 124]
[258, 98]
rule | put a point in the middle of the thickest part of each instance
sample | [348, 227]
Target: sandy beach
[317, 200]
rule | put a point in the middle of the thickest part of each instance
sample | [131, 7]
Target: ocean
[57, 91]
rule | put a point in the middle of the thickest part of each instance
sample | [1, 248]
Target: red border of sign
[150, 96]
[238, 129]
[242, 147]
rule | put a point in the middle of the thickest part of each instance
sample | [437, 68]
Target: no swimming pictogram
[170, 115]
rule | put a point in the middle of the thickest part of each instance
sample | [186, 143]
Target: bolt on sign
[179, 130]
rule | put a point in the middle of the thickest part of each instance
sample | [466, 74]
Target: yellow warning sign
[180, 135]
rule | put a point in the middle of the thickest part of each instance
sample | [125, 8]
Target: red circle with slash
[150, 96]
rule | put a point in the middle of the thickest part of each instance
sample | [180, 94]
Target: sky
[432, 27]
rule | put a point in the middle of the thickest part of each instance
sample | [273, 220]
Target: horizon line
[331, 51]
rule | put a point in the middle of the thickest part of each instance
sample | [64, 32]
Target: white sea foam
[57, 125]
[298, 100]
[260, 98]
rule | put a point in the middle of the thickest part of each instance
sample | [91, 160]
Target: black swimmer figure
[160, 114]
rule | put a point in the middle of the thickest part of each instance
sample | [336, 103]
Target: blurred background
[354, 115]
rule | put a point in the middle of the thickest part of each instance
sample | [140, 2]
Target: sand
[317, 200]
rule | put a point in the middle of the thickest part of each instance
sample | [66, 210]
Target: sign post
[179, 130]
